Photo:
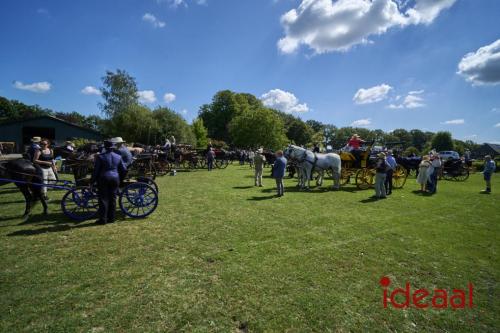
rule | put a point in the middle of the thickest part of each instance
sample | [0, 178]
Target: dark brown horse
[29, 182]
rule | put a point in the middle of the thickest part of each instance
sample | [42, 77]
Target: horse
[31, 187]
[308, 161]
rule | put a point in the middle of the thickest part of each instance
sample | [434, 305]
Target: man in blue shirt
[123, 151]
[391, 161]
[278, 172]
[489, 169]
[109, 170]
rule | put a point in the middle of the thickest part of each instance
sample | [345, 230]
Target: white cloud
[169, 98]
[328, 25]
[411, 101]
[372, 95]
[470, 137]
[454, 122]
[482, 66]
[497, 125]
[147, 96]
[90, 90]
[361, 123]
[184, 111]
[283, 101]
[153, 20]
[38, 87]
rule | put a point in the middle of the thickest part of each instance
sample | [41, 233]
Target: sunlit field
[220, 255]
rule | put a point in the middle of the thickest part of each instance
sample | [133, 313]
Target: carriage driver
[109, 170]
[123, 150]
[354, 144]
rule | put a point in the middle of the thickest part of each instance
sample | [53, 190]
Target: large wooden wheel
[399, 177]
[365, 178]
[345, 176]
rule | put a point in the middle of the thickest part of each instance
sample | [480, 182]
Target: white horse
[307, 160]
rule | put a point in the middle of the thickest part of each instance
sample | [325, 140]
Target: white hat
[118, 139]
[260, 150]
[36, 139]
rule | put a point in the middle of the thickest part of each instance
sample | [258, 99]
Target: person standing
[33, 148]
[259, 161]
[109, 170]
[422, 172]
[381, 174]
[391, 161]
[434, 171]
[210, 159]
[278, 173]
[44, 157]
[489, 168]
[123, 150]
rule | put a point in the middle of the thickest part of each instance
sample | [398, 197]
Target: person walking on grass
[391, 161]
[258, 161]
[278, 172]
[489, 169]
[381, 167]
[422, 172]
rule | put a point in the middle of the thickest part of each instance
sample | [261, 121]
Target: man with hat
[109, 170]
[69, 146]
[258, 161]
[34, 147]
[381, 168]
[122, 150]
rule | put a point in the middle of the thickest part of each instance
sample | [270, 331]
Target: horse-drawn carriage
[137, 198]
[455, 169]
[362, 169]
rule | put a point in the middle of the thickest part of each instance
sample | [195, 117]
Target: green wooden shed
[56, 130]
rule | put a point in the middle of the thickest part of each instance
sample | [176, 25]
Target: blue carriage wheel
[138, 200]
[150, 182]
[80, 204]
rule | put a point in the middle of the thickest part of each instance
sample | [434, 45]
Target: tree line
[231, 119]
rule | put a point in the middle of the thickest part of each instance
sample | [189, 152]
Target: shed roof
[51, 118]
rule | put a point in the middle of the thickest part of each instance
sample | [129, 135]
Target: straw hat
[36, 139]
[69, 143]
[381, 155]
[117, 139]
[260, 150]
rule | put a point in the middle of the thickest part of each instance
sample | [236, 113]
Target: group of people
[428, 172]
[384, 167]
[278, 170]
[42, 157]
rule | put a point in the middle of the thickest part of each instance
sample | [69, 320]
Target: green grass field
[220, 255]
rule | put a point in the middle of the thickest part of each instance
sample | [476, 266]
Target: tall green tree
[258, 128]
[442, 141]
[200, 132]
[168, 123]
[418, 138]
[217, 115]
[119, 91]
[299, 132]
[134, 123]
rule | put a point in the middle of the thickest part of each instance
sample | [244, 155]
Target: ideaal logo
[423, 298]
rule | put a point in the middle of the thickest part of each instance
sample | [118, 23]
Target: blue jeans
[380, 185]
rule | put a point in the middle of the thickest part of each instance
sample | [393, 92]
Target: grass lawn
[220, 255]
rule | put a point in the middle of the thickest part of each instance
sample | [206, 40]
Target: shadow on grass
[424, 194]
[11, 202]
[370, 199]
[9, 190]
[262, 198]
[242, 187]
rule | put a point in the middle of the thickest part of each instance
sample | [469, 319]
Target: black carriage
[455, 169]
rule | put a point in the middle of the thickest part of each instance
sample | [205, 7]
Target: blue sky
[381, 64]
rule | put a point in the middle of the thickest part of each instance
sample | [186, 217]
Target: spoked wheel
[399, 177]
[221, 164]
[365, 178]
[461, 175]
[80, 203]
[345, 176]
[138, 200]
[150, 182]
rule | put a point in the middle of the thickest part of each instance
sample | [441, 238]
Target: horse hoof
[26, 218]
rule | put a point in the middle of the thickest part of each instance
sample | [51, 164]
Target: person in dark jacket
[210, 159]
[381, 168]
[109, 170]
[278, 172]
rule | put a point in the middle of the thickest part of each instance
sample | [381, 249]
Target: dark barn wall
[54, 129]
